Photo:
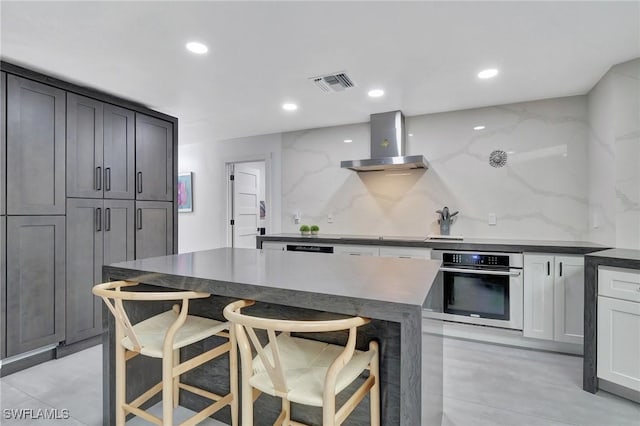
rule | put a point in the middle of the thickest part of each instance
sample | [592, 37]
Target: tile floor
[483, 385]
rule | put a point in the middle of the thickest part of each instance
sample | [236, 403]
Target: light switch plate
[493, 220]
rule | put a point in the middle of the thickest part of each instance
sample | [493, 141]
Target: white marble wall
[614, 157]
[542, 193]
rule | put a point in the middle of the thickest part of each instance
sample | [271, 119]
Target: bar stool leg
[374, 395]
[233, 375]
[286, 407]
[176, 380]
[121, 384]
[247, 390]
[167, 388]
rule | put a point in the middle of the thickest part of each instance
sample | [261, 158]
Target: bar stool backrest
[246, 325]
[113, 296]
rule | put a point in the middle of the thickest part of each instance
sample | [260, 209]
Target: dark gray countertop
[621, 254]
[477, 244]
[388, 280]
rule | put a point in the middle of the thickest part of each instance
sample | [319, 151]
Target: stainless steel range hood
[388, 141]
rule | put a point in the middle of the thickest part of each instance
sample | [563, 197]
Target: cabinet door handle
[98, 219]
[139, 218]
[139, 176]
[560, 268]
[98, 178]
[107, 219]
[548, 268]
[107, 179]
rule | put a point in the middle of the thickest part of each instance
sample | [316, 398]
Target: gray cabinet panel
[154, 229]
[3, 288]
[3, 141]
[98, 232]
[84, 268]
[119, 226]
[84, 147]
[119, 153]
[154, 159]
[35, 148]
[35, 282]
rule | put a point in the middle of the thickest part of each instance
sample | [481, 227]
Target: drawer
[406, 252]
[619, 283]
[274, 246]
[357, 250]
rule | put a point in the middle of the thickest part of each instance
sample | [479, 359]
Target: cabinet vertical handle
[560, 268]
[107, 179]
[98, 219]
[139, 176]
[139, 218]
[98, 178]
[548, 268]
[107, 219]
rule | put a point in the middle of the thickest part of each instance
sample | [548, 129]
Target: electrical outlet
[296, 217]
[493, 220]
[330, 218]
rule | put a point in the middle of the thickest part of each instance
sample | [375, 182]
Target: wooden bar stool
[162, 336]
[303, 371]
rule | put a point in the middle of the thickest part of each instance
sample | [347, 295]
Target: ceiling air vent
[335, 82]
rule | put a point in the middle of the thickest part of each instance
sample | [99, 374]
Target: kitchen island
[301, 286]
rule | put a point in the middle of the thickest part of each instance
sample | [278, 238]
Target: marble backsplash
[541, 193]
[614, 157]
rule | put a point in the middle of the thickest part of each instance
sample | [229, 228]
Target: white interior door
[246, 205]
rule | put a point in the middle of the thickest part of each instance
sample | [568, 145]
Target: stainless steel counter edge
[474, 244]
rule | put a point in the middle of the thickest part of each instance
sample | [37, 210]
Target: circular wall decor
[498, 158]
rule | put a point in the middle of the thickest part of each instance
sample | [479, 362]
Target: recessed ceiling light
[197, 48]
[289, 107]
[478, 128]
[488, 73]
[376, 93]
[348, 141]
[410, 134]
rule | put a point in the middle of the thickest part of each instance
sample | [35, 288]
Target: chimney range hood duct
[388, 140]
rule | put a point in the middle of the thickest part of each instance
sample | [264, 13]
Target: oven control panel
[473, 259]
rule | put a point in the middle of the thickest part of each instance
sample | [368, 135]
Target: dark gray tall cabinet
[154, 159]
[35, 296]
[35, 148]
[100, 149]
[99, 232]
[87, 179]
[3, 223]
[154, 226]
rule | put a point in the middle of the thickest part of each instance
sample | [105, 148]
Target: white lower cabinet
[619, 342]
[619, 326]
[554, 297]
[406, 252]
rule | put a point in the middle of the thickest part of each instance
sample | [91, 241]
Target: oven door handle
[482, 272]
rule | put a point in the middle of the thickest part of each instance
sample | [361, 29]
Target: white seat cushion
[151, 332]
[305, 363]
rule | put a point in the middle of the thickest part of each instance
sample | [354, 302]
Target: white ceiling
[424, 54]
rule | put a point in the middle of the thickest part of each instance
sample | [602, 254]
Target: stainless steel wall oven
[479, 288]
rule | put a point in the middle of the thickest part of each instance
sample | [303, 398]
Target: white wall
[614, 157]
[541, 194]
[206, 226]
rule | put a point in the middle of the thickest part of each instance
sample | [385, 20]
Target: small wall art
[185, 192]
